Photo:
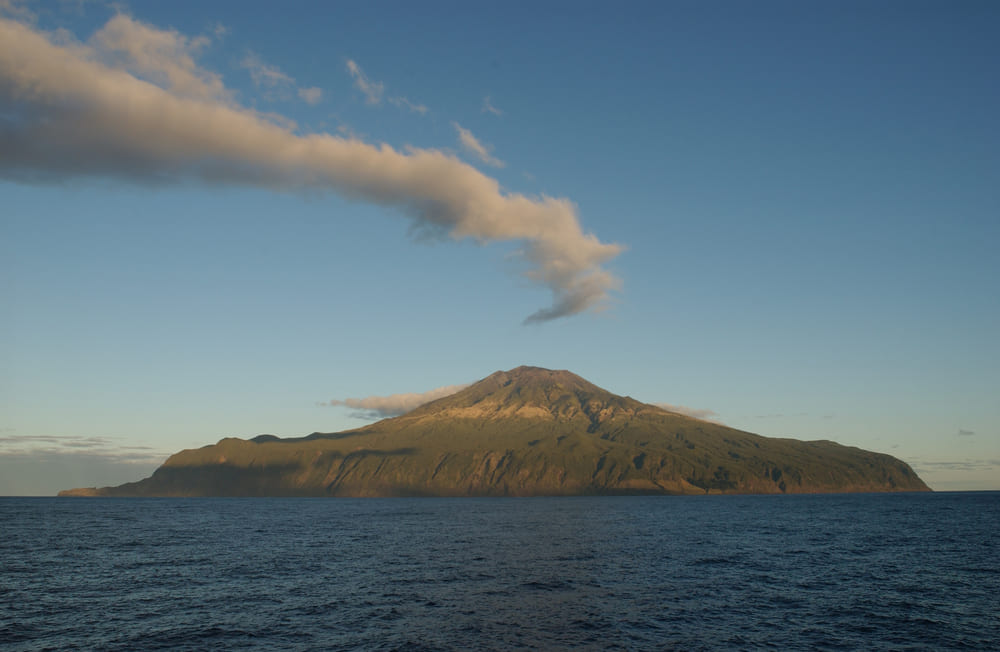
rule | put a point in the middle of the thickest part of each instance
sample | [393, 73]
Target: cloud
[19, 442]
[372, 90]
[264, 75]
[165, 58]
[44, 473]
[479, 150]
[380, 407]
[404, 103]
[954, 465]
[17, 9]
[965, 433]
[275, 83]
[132, 105]
[489, 108]
[347, 132]
[958, 475]
[39, 447]
[311, 95]
[697, 413]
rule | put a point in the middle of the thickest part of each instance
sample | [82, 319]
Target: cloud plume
[132, 104]
[380, 407]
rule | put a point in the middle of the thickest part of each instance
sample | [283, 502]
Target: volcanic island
[524, 432]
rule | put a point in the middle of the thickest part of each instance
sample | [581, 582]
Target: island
[524, 432]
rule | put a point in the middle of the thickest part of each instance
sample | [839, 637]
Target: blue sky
[782, 214]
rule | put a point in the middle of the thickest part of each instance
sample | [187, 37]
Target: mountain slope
[528, 431]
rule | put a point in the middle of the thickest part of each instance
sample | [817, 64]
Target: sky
[227, 219]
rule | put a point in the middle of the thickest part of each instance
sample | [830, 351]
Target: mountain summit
[527, 431]
[527, 392]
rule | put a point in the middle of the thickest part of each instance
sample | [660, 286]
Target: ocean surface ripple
[844, 572]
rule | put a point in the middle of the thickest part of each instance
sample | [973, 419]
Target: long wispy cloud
[698, 413]
[42, 465]
[472, 145]
[70, 446]
[132, 104]
[955, 465]
[380, 407]
[957, 474]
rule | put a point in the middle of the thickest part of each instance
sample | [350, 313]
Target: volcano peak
[526, 392]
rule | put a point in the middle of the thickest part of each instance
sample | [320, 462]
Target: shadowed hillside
[524, 432]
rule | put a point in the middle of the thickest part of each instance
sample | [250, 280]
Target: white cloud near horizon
[476, 148]
[132, 104]
[65, 446]
[43, 473]
[957, 475]
[380, 407]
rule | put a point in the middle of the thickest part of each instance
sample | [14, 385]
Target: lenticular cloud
[131, 103]
[378, 407]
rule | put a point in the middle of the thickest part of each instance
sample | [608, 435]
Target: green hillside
[524, 432]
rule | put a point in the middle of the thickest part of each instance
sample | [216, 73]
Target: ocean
[835, 572]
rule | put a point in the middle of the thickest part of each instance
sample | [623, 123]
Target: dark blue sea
[843, 572]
